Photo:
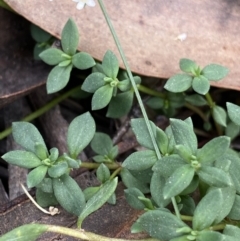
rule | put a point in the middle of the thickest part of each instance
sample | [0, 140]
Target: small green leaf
[156, 187]
[191, 187]
[178, 181]
[219, 115]
[23, 159]
[53, 154]
[110, 64]
[187, 65]
[102, 97]
[140, 160]
[141, 132]
[52, 56]
[80, 132]
[214, 72]
[72, 163]
[93, 82]
[112, 200]
[214, 176]
[234, 113]
[36, 176]
[188, 205]
[38, 49]
[130, 181]
[232, 231]
[45, 199]
[27, 135]
[235, 210]
[120, 105]
[213, 150]
[95, 202]
[162, 141]
[161, 224]
[58, 170]
[69, 194]
[207, 209]
[90, 192]
[210, 236]
[83, 60]
[155, 103]
[179, 83]
[101, 159]
[65, 63]
[46, 185]
[167, 165]
[183, 134]
[184, 152]
[58, 78]
[201, 85]
[41, 151]
[101, 143]
[70, 37]
[39, 35]
[132, 195]
[103, 173]
[232, 130]
[196, 100]
[28, 232]
[113, 152]
[124, 85]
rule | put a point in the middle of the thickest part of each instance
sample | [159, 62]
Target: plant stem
[149, 91]
[92, 165]
[42, 110]
[117, 42]
[217, 227]
[114, 174]
[88, 236]
[186, 218]
[196, 110]
[211, 105]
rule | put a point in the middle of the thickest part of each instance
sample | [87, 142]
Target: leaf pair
[195, 77]
[65, 59]
[104, 85]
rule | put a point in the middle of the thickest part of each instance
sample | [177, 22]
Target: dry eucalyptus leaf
[154, 34]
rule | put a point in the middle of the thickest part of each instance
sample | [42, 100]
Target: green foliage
[28, 232]
[234, 113]
[80, 133]
[69, 194]
[103, 146]
[96, 201]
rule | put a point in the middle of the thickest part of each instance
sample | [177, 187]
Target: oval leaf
[178, 181]
[83, 61]
[214, 176]
[141, 132]
[58, 170]
[101, 143]
[29, 232]
[213, 150]
[120, 104]
[102, 97]
[36, 176]
[70, 37]
[183, 134]
[69, 194]
[52, 56]
[214, 72]
[140, 160]
[161, 224]
[27, 135]
[23, 159]
[179, 83]
[58, 78]
[201, 85]
[93, 82]
[219, 115]
[187, 65]
[110, 64]
[234, 113]
[95, 202]
[80, 133]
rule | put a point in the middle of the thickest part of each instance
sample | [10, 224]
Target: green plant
[169, 170]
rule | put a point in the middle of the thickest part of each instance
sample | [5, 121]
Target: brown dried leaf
[148, 31]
